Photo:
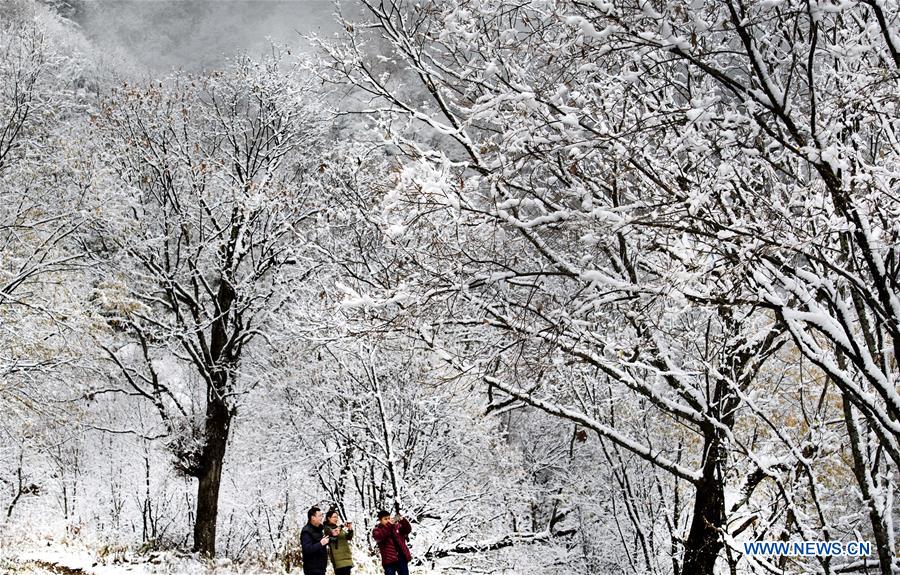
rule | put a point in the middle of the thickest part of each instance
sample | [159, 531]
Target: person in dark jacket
[339, 545]
[314, 543]
[390, 534]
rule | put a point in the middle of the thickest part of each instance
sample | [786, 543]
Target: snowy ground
[72, 561]
[69, 560]
[51, 558]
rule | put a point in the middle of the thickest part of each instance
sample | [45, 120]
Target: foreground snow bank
[63, 559]
[75, 561]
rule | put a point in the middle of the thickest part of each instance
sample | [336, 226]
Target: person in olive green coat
[339, 546]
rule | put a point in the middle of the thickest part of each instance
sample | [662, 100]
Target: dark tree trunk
[865, 480]
[704, 541]
[218, 421]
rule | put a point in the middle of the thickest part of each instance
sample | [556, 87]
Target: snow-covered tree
[613, 192]
[201, 236]
[41, 186]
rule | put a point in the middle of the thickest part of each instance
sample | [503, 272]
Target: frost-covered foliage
[200, 228]
[649, 212]
[41, 182]
[608, 287]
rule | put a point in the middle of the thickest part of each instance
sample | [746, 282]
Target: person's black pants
[343, 570]
[397, 568]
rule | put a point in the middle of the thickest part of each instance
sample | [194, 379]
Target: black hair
[312, 511]
[331, 512]
[383, 513]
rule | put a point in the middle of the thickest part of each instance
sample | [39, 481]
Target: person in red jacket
[390, 534]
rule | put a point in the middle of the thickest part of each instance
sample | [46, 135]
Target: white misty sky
[197, 34]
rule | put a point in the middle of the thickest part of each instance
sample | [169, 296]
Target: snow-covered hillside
[561, 285]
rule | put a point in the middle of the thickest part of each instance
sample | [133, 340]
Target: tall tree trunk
[218, 421]
[864, 471]
[740, 361]
[218, 418]
[704, 542]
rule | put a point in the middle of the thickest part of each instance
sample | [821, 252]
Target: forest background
[574, 285]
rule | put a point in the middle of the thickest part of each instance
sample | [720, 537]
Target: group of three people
[324, 537]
